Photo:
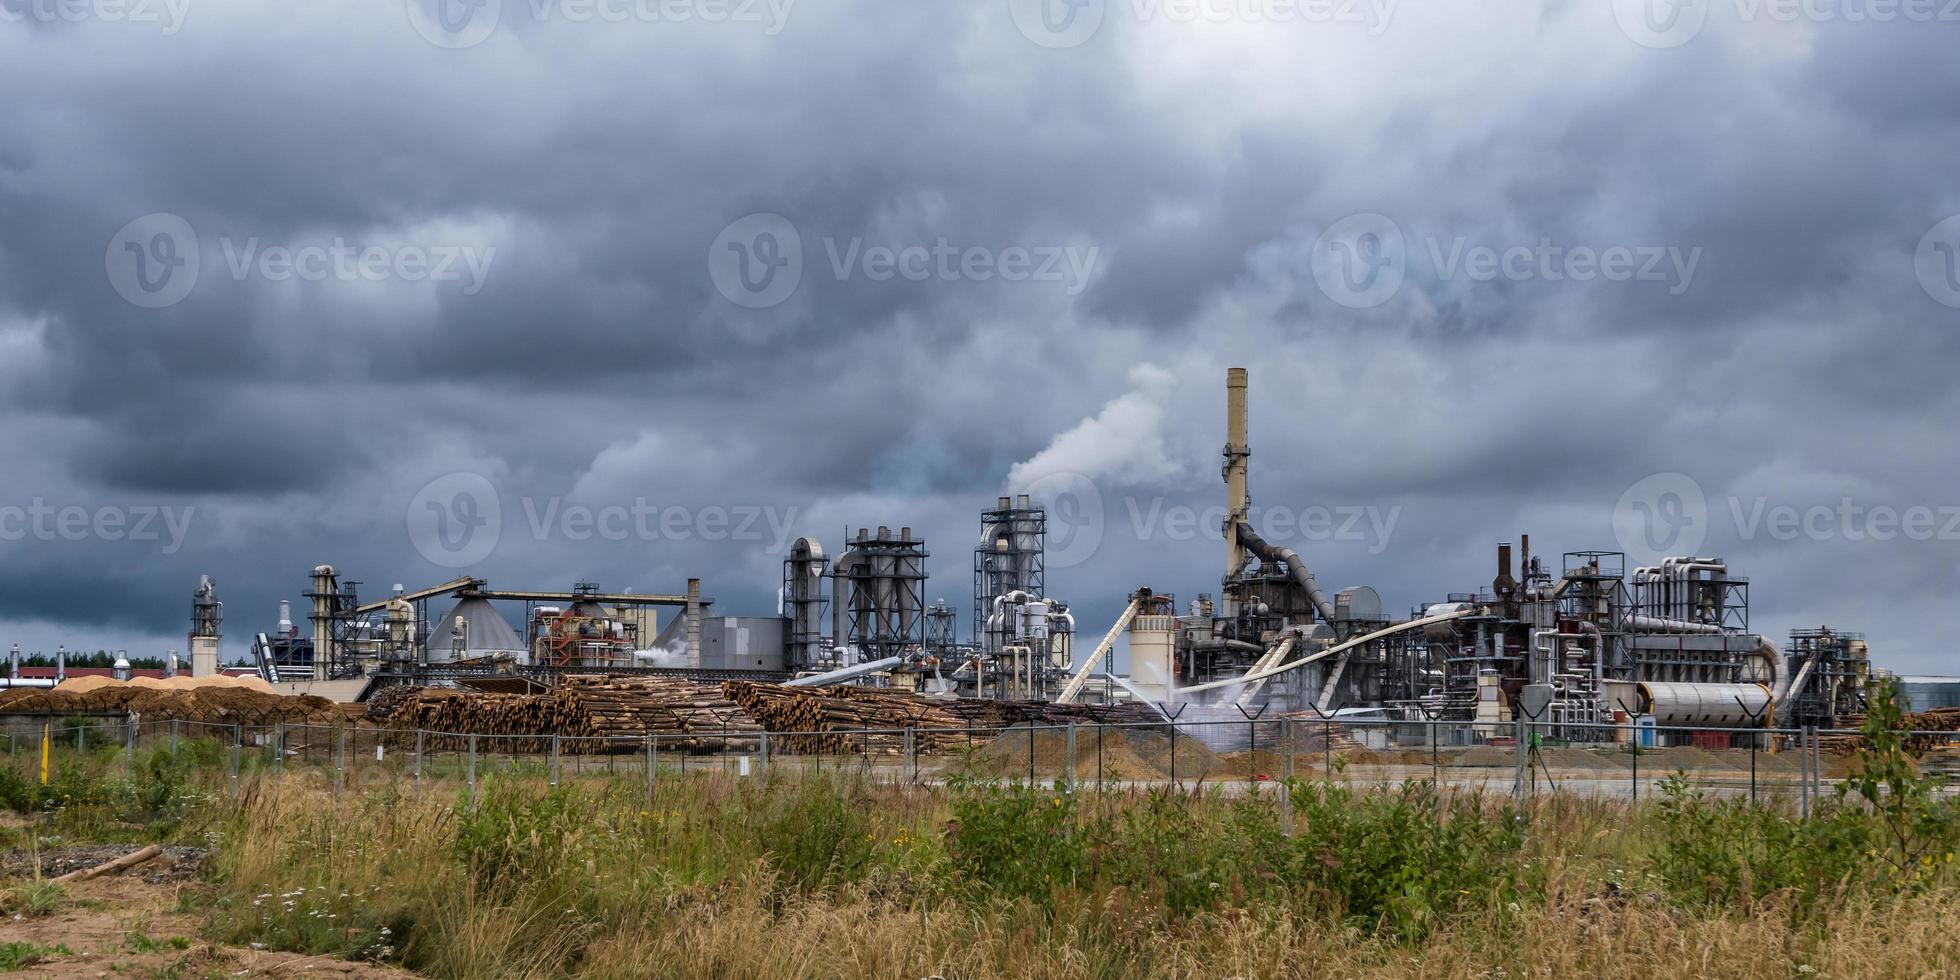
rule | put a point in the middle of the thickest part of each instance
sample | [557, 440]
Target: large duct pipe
[1294, 567]
[840, 597]
[1657, 624]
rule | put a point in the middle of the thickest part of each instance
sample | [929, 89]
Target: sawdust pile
[217, 704]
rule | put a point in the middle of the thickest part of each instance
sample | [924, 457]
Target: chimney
[1504, 585]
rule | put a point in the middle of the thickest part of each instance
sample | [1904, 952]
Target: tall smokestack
[694, 623]
[1236, 452]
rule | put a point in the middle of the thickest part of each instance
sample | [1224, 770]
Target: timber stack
[829, 720]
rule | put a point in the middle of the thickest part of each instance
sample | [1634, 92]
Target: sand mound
[1488, 757]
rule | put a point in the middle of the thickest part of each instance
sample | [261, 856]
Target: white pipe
[1349, 645]
[27, 682]
[1271, 658]
[844, 673]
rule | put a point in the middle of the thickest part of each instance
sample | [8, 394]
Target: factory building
[1579, 642]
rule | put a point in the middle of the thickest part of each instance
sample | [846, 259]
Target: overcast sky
[548, 291]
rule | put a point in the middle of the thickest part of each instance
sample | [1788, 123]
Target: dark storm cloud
[599, 365]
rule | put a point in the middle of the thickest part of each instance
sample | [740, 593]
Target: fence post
[472, 768]
[1523, 730]
[911, 756]
[279, 747]
[81, 739]
[237, 743]
[762, 754]
[649, 741]
[554, 759]
[129, 748]
[340, 764]
[173, 736]
[1286, 785]
[1071, 756]
[418, 763]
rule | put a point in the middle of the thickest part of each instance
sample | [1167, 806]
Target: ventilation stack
[207, 622]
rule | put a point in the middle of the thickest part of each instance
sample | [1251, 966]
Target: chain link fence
[1520, 757]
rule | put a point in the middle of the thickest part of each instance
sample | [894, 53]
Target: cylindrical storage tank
[1441, 631]
[1678, 705]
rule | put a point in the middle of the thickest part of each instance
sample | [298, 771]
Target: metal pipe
[1295, 567]
[845, 673]
[1339, 648]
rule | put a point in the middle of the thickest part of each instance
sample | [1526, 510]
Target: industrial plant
[1576, 642]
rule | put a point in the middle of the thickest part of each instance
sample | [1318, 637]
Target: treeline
[100, 658]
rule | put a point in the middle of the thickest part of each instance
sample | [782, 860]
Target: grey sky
[1790, 345]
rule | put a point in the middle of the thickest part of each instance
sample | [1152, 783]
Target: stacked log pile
[827, 719]
[520, 723]
[681, 712]
[589, 714]
[1935, 721]
[207, 705]
[981, 713]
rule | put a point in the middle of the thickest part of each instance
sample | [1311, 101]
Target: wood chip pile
[210, 705]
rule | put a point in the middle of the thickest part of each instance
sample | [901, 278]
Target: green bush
[1887, 830]
[1401, 861]
[1015, 840]
[813, 832]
